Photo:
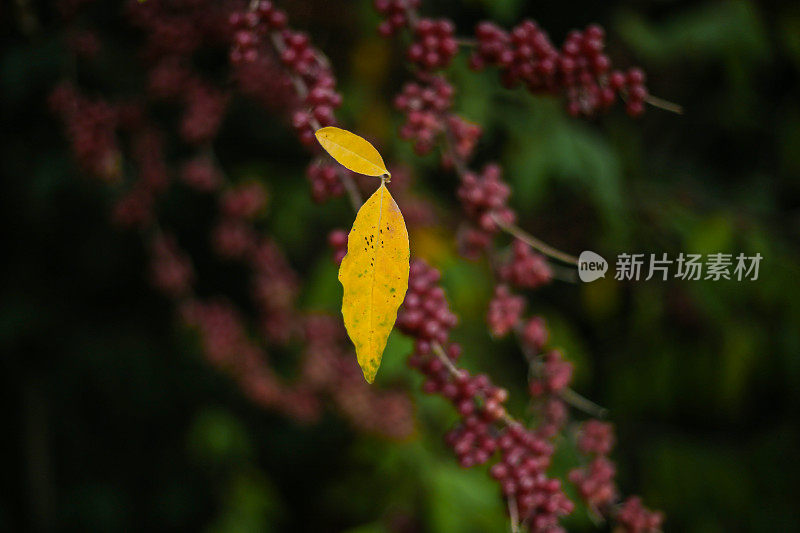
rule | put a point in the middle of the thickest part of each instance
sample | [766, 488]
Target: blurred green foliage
[116, 423]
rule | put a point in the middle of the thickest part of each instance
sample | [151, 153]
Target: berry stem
[583, 404]
[411, 15]
[302, 90]
[513, 514]
[440, 354]
[461, 169]
[535, 243]
[666, 105]
[568, 395]
[466, 42]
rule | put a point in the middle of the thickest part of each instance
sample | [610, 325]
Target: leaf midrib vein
[359, 156]
[374, 270]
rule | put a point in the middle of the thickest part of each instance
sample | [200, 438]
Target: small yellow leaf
[353, 152]
[374, 274]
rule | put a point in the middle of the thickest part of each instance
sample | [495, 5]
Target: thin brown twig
[440, 354]
[535, 243]
[411, 15]
[568, 395]
[461, 169]
[438, 350]
[513, 513]
[562, 273]
[302, 90]
[666, 105]
[582, 403]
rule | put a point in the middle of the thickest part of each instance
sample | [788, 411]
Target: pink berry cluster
[474, 440]
[251, 28]
[580, 69]
[103, 134]
[484, 198]
[633, 517]
[595, 482]
[263, 30]
[274, 288]
[534, 334]
[172, 36]
[425, 314]
[262, 34]
[177, 32]
[553, 376]
[233, 236]
[525, 458]
[171, 269]
[94, 128]
[204, 105]
[596, 437]
[463, 137]
[553, 415]
[435, 45]
[146, 153]
[425, 105]
[326, 369]
[168, 77]
[583, 74]
[322, 98]
[246, 201]
[265, 81]
[472, 242]
[227, 346]
[201, 174]
[549, 375]
[596, 486]
[91, 128]
[505, 310]
[328, 366]
[526, 268]
[337, 240]
[632, 84]
[265, 56]
[324, 179]
[524, 455]
[395, 13]
[203, 112]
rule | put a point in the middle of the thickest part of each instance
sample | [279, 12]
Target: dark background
[113, 421]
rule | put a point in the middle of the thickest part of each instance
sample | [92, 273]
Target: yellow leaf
[374, 274]
[353, 152]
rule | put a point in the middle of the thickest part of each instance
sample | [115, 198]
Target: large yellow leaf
[352, 151]
[374, 274]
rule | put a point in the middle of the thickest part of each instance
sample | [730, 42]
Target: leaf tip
[369, 374]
